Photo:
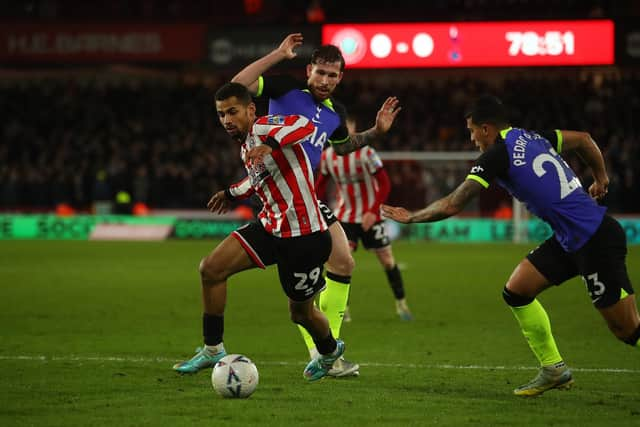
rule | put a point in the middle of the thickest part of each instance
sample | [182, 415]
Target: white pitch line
[136, 359]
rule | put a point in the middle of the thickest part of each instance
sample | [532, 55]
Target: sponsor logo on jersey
[275, 120]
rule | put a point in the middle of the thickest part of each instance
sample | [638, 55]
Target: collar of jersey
[327, 102]
[504, 132]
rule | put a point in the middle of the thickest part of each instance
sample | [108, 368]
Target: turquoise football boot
[320, 367]
[200, 361]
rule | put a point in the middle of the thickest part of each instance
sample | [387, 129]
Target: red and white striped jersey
[357, 188]
[284, 179]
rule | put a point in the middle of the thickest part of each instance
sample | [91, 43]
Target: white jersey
[284, 179]
[356, 185]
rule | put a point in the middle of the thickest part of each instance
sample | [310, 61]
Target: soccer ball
[235, 375]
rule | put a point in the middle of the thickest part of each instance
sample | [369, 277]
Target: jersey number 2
[566, 187]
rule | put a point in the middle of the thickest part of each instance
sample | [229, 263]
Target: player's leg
[234, 254]
[623, 319]
[330, 349]
[333, 299]
[546, 265]
[602, 264]
[394, 277]
[377, 239]
[340, 265]
[300, 264]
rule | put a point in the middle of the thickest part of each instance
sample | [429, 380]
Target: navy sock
[212, 328]
[326, 345]
[395, 281]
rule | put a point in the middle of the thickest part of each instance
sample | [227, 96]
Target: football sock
[333, 301]
[326, 345]
[212, 329]
[395, 281]
[536, 328]
[214, 349]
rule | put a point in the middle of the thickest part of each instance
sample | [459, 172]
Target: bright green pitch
[89, 331]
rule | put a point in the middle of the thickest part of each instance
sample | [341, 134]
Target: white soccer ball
[235, 375]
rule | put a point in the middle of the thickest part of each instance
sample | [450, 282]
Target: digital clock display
[481, 44]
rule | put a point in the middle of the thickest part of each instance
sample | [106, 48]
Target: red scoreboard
[481, 44]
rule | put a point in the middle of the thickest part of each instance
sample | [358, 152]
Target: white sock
[213, 349]
[314, 353]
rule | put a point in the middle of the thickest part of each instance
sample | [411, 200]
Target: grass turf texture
[89, 332]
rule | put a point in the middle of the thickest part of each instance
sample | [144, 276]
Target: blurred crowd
[313, 11]
[82, 140]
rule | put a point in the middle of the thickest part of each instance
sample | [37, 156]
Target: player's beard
[321, 93]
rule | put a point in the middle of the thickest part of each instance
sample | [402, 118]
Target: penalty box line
[140, 359]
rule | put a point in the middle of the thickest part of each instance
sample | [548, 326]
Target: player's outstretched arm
[249, 75]
[384, 119]
[440, 209]
[591, 155]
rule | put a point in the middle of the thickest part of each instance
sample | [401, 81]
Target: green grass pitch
[89, 331]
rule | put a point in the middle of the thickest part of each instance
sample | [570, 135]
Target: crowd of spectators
[80, 140]
[301, 11]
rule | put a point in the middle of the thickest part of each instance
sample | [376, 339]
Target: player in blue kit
[313, 99]
[586, 241]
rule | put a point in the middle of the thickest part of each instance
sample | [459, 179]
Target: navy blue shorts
[600, 262]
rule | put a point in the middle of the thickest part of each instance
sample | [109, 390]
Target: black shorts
[600, 262]
[375, 238]
[327, 213]
[300, 259]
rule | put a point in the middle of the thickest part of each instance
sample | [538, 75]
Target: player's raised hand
[219, 203]
[396, 214]
[256, 154]
[387, 114]
[289, 43]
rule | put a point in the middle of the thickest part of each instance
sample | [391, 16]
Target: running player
[313, 99]
[586, 241]
[362, 185]
[291, 231]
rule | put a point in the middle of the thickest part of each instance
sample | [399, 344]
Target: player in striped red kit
[362, 186]
[290, 232]
[314, 99]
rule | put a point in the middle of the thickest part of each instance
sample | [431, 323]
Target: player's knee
[387, 262]
[342, 264]
[515, 300]
[210, 271]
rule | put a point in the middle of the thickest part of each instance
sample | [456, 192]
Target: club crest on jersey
[275, 120]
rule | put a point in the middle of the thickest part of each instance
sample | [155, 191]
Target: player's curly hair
[233, 89]
[488, 109]
[326, 54]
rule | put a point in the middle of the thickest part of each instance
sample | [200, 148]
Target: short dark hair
[488, 109]
[233, 89]
[327, 53]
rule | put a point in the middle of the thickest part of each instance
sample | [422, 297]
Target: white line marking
[140, 359]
